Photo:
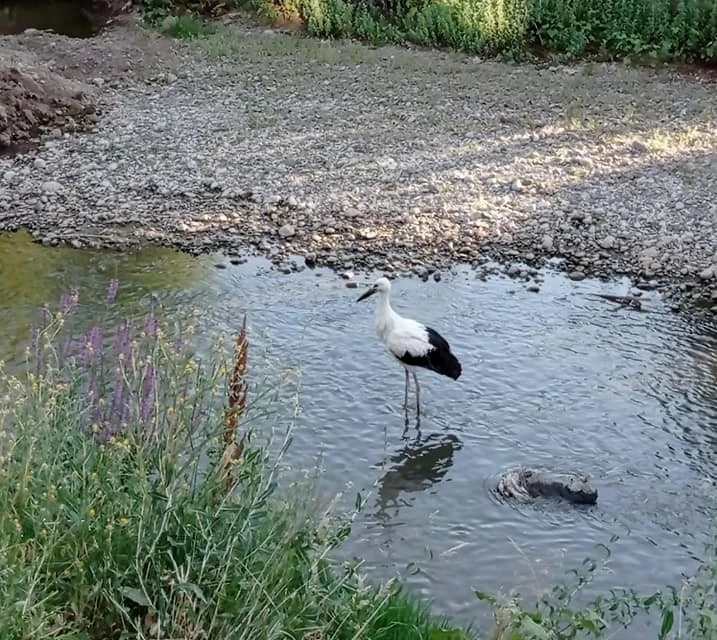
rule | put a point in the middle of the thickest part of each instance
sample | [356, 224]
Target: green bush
[671, 30]
[664, 29]
[117, 518]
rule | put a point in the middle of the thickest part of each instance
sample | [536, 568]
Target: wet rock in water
[352, 284]
[524, 484]
[533, 288]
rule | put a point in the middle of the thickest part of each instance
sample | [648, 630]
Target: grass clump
[121, 519]
[674, 613]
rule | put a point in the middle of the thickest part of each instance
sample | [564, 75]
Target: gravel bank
[385, 158]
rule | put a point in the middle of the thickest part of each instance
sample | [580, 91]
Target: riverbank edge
[520, 254]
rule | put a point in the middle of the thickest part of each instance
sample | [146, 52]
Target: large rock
[524, 484]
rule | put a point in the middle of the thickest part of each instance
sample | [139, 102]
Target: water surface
[66, 17]
[557, 379]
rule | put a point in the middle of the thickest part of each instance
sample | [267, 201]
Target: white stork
[413, 344]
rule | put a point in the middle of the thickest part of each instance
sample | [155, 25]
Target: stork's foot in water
[524, 484]
[406, 434]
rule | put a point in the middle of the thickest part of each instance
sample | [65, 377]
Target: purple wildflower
[122, 339]
[67, 348]
[92, 346]
[178, 346]
[112, 290]
[69, 301]
[150, 326]
[92, 393]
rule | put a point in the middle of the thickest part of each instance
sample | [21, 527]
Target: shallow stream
[558, 379]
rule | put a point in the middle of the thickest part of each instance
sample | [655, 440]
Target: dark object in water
[526, 483]
[625, 302]
[73, 18]
[67, 17]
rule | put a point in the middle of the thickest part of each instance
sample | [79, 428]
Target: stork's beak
[366, 294]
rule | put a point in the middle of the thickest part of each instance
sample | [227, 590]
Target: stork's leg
[405, 399]
[418, 398]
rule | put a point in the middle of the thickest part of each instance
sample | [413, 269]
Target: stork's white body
[401, 335]
[413, 344]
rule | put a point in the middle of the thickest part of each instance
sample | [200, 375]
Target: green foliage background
[664, 30]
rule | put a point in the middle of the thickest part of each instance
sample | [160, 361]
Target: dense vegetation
[665, 30]
[133, 508]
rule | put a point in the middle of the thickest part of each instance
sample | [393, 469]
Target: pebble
[608, 242]
[709, 272]
[576, 275]
[352, 284]
[51, 187]
[287, 230]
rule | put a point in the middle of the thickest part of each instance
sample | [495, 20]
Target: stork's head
[382, 286]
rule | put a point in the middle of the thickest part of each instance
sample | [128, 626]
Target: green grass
[117, 521]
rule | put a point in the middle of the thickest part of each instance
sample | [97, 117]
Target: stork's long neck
[385, 316]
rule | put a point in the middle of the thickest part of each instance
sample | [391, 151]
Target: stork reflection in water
[417, 466]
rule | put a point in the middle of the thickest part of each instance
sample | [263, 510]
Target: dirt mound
[34, 99]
